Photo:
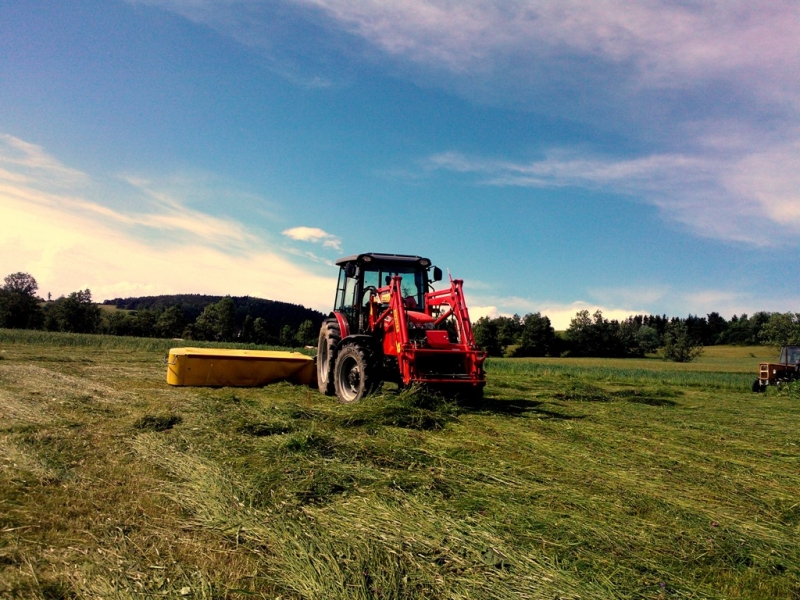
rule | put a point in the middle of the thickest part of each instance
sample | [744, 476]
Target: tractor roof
[385, 259]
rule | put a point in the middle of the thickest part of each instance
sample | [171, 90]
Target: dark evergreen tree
[717, 325]
[288, 336]
[260, 331]
[246, 334]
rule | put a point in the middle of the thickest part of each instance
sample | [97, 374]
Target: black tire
[757, 386]
[355, 374]
[329, 336]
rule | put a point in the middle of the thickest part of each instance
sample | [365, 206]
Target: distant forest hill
[272, 311]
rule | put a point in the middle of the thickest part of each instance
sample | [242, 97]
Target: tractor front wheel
[355, 374]
[329, 336]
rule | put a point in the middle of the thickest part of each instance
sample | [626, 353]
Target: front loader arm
[454, 298]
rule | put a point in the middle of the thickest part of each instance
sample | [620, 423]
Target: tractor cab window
[371, 279]
[790, 355]
[412, 285]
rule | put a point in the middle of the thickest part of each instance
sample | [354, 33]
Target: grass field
[575, 478]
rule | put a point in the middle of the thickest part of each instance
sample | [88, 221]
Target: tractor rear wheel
[355, 373]
[329, 337]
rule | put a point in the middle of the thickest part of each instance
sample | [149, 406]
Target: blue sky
[556, 155]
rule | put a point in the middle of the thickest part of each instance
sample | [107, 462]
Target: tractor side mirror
[351, 270]
[437, 274]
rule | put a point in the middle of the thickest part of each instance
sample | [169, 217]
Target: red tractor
[388, 324]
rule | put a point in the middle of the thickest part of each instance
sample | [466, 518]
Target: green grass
[111, 342]
[574, 478]
[722, 367]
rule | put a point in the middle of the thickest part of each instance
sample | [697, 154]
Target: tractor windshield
[413, 285]
[790, 355]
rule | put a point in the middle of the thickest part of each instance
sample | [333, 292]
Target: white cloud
[534, 44]
[26, 162]
[659, 43]
[752, 198]
[68, 242]
[314, 235]
[478, 312]
[559, 313]
[684, 75]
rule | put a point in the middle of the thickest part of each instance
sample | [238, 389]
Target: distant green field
[575, 478]
[719, 366]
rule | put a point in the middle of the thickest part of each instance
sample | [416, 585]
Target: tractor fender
[344, 326]
[360, 338]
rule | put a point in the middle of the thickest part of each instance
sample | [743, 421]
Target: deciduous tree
[538, 338]
[216, 322]
[679, 346]
[76, 313]
[307, 333]
[19, 305]
[485, 332]
[782, 329]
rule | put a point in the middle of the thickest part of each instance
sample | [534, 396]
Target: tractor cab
[362, 275]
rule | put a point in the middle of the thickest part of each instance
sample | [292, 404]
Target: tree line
[678, 339]
[255, 320]
[191, 316]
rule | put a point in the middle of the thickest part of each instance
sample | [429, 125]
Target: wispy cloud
[21, 162]
[314, 235]
[544, 54]
[752, 198]
[68, 240]
[711, 88]
[651, 44]
[271, 29]
[170, 214]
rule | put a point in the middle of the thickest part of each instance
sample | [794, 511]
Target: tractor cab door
[347, 291]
